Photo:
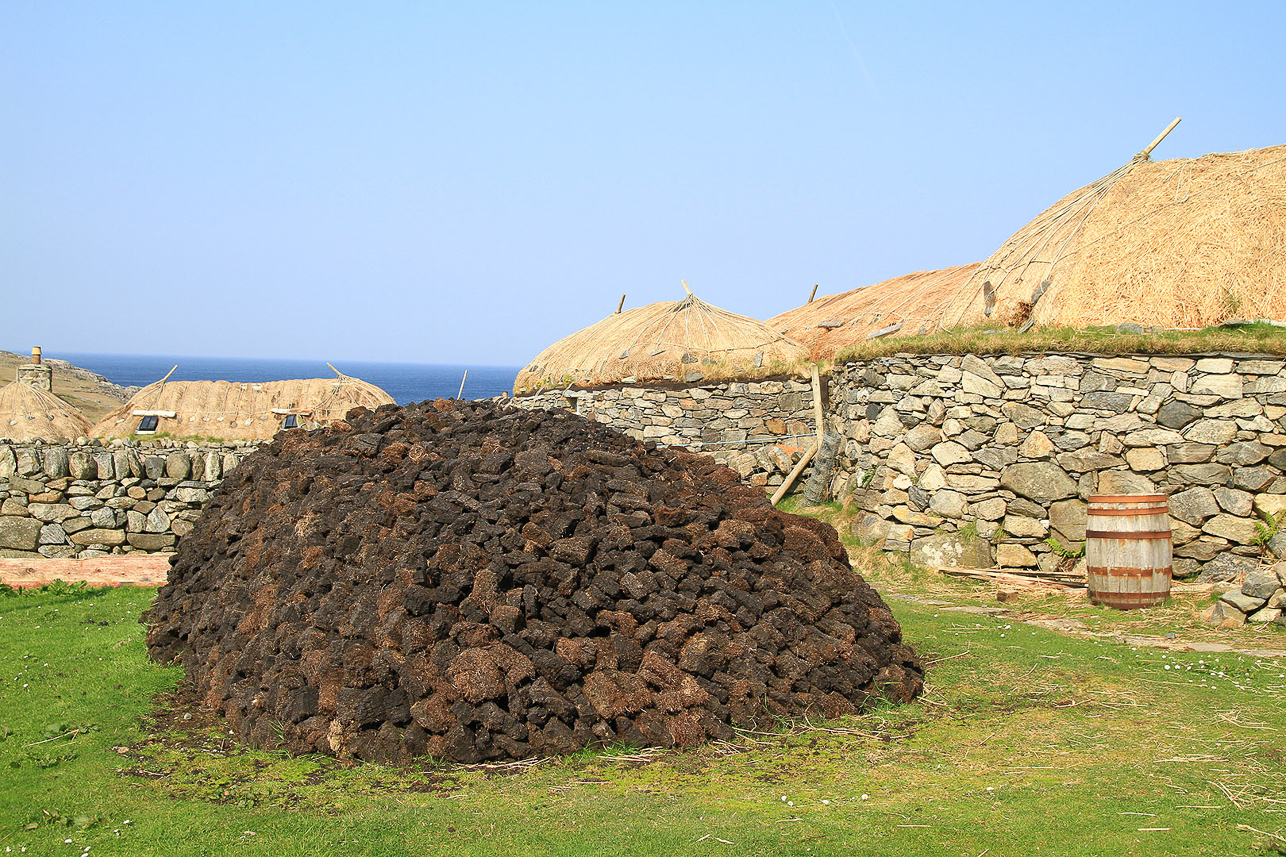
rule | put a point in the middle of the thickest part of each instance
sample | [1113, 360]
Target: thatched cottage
[229, 410]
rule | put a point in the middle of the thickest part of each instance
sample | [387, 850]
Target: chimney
[36, 373]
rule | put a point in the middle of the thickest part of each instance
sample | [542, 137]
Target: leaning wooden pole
[621, 305]
[794, 474]
[460, 394]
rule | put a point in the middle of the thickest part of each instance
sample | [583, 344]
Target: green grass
[1026, 741]
[981, 339]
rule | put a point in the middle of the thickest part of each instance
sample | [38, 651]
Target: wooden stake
[1161, 136]
[462, 380]
[818, 416]
[813, 294]
[685, 286]
[621, 305]
[794, 474]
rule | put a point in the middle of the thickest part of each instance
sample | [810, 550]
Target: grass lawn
[1026, 741]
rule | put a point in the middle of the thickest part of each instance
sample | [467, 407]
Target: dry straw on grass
[30, 413]
[240, 411]
[1184, 243]
[834, 323]
[660, 342]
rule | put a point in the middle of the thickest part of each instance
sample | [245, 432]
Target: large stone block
[948, 504]
[1230, 527]
[949, 453]
[21, 534]
[1218, 432]
[95, 536]
[1243, 454]
[1067, 518]
[1024, 527]
[1124, 482]
[51, 513]
[1043, 482]
[53, 461]
[151, 541]
[1014, 556]
[1202, 474]
[81, 465]
[1194, 505]
[947, 550]
[869, 528]
[1228, 386]
[1024, 416]
[1176, 415]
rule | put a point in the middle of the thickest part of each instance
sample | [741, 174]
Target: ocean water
[405, 382]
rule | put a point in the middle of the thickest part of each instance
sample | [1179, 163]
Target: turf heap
[479, 582]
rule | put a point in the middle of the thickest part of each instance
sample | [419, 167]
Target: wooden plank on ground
[1017, 577]
[142, 570]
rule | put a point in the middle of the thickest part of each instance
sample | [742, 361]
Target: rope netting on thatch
[30, 413]
[230, 410]
[657, 342]
[908, 305]
[1177, 243]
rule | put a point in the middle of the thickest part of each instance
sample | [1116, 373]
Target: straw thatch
[228, 410]
[1179, 243]
[911, 304]
[30, 413]
[659, 342]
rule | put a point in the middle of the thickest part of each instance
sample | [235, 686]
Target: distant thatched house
[666, 341]
[1178, 243]
[229, 410]
[903, 306]
[30, 413]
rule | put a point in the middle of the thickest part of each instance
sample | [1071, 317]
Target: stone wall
[86, 499]
[759, 428]
[990, 461]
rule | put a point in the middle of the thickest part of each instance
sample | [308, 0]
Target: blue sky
[467, 182]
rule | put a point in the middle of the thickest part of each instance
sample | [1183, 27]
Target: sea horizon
[405, 382]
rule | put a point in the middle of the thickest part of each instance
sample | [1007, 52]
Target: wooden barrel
[1128, 555]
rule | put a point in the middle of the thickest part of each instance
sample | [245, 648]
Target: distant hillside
[86, 391]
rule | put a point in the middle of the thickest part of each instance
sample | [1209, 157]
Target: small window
[291, 421]
[147, 425]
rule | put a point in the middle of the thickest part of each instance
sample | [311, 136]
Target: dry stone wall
[87, 499]
[990, 461]
[758, 428]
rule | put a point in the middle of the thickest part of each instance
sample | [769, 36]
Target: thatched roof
[1178, 243]
[659, 342]
[30, 413]
[229, 410]
[912, 304]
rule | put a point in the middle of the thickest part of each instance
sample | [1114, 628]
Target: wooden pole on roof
[1148, 151]
[621, 305]
[685, 286]
[814, 292]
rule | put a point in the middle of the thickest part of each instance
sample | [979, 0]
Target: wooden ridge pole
[1148, 151]
[621, 305]
[685, 286]
[813, 294]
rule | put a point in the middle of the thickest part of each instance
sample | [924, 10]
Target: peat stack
[472, 581]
